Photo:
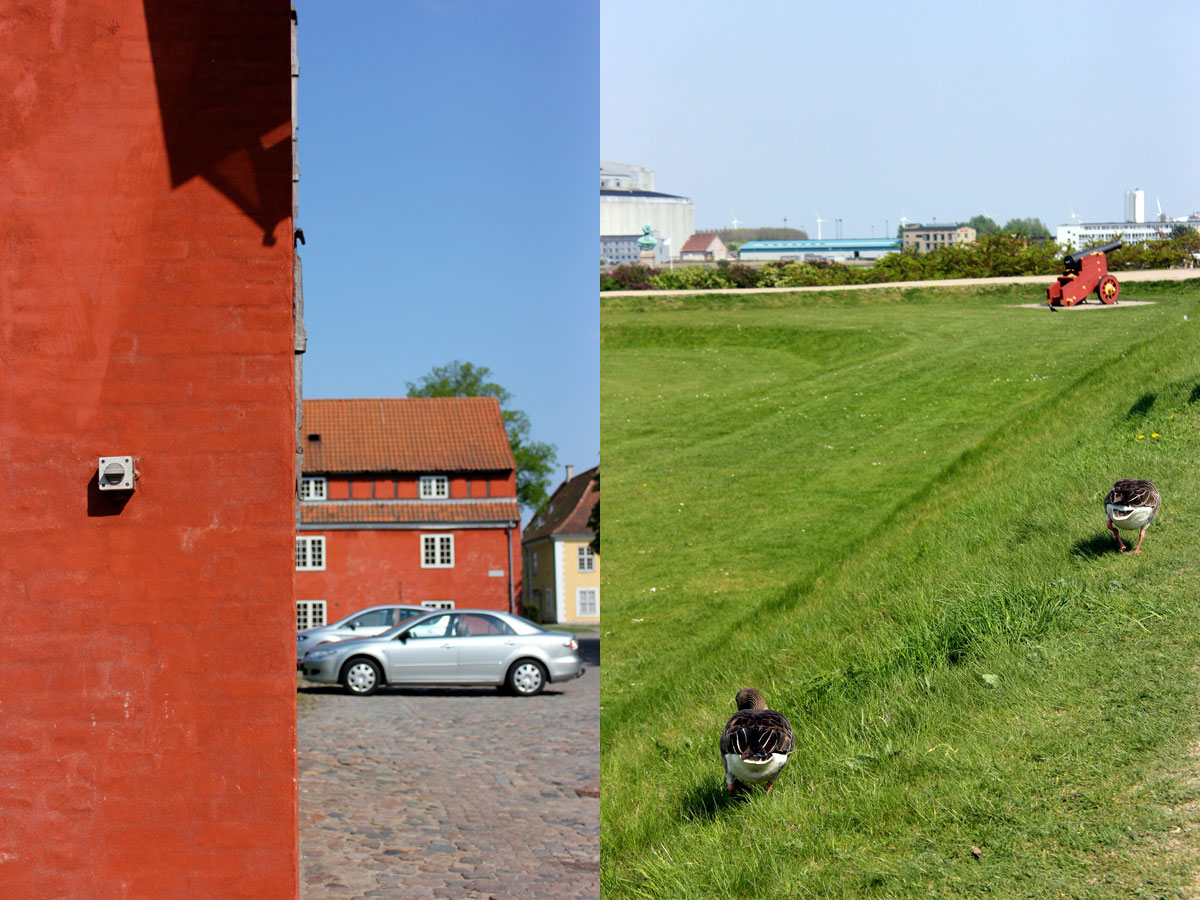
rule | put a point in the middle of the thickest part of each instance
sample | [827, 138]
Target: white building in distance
[625, 210]
[1135, 228]
[1135, 206]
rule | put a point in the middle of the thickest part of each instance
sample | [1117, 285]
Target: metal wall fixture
[116, 473]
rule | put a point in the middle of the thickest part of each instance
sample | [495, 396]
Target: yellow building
[561, 572]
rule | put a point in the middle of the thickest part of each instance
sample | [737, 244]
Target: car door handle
[447, 646]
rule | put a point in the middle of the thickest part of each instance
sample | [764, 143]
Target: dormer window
[314, 488]
[435, 487]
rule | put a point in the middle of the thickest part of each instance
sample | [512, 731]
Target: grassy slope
[863, 503]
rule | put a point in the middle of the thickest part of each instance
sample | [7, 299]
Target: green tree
[983, 225]
[1026, 228]
[535, 459]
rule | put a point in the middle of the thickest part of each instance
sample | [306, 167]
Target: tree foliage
[1026, 228]
[535, 459]
[983, 225]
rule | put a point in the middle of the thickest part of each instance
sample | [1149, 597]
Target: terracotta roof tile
[697, 242]
[567, 510]
[408, 512]
[409, 434]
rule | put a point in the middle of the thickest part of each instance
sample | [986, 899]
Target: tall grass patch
[886, 513]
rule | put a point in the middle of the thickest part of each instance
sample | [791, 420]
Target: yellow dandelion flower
[1171, 416]
[1139, 437]
[1155, 434]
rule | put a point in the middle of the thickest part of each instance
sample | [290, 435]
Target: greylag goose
[1131, 505]
[755, 743]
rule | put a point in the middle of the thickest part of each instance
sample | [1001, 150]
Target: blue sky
[448, 199]
[938, 110]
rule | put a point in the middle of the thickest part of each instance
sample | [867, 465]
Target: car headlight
[318, 653]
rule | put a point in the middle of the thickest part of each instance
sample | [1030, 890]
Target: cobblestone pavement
[421, 793]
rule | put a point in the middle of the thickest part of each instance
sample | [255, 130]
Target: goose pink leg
[1141, 534]
[1117, 535]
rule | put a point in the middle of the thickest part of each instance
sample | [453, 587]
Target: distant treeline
[990, 256]
[739, 236]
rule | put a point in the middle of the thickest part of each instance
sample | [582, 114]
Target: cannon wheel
[1108, 289]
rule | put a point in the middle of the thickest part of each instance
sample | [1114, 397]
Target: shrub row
[990, 256]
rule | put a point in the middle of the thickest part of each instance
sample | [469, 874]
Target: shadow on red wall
[211, 100]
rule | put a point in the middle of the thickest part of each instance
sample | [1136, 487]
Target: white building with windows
[1081, 235]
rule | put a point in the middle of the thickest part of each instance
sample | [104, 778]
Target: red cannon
[1086, 271]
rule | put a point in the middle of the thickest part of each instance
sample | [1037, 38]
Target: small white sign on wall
[495, 573]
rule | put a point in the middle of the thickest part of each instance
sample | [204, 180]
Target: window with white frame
[533, 558]
[310, 554]
[437, 551]
[309, 614]
[587, 602]
[434, 487]
[587, 559]
[314, 488]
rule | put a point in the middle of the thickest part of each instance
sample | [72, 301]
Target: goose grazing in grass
[1131, 505]
[755, 743]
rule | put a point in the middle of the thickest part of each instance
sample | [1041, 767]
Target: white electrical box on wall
[115, 473]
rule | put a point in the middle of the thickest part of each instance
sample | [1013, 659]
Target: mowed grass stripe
[874, 634]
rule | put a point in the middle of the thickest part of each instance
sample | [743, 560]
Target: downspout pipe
[511, 598]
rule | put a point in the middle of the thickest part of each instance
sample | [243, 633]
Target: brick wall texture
[147, 696]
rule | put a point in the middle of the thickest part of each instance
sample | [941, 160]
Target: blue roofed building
[833, 249]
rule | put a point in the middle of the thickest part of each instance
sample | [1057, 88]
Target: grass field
[884, 509]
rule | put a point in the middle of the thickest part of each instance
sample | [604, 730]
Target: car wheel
[361, 676]
[527, 677]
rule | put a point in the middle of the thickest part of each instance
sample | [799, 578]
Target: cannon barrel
[1074, 260]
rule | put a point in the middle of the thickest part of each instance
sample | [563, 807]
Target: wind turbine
[819, 221]
[904, 220]
[1161, 217]
[736, 223]
[1075, 220]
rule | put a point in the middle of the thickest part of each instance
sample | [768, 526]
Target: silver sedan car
[365, 623]
[463, 647]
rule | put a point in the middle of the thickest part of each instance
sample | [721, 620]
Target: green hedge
[990, 256]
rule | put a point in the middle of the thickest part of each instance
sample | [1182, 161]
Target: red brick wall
[148, 693]
[372, 566]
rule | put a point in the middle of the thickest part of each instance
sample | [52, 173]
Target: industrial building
[627, 208]
[834, 249]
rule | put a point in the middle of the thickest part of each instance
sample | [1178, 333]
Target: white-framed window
[434, 487]
[587, 602]
[437, 551]
[438, 604]
[587, 559]
[310, 554]
[316, 488]
[309, 614]
[533, 558]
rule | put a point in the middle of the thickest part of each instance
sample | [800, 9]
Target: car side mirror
[353, 626]
[402, 637]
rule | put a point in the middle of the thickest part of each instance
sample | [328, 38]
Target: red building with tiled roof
[410, 500]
